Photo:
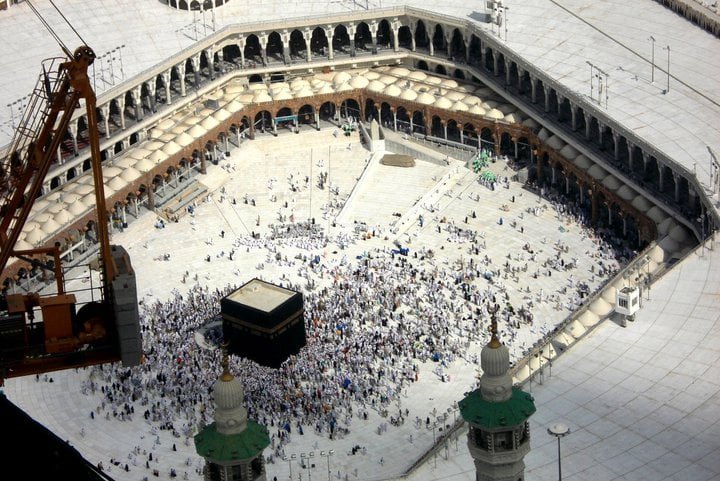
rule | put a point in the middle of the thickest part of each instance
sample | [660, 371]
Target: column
[508, 64]
[395, 120]
[263, 38]
[241, 45]
[521, 75]
[167, 76]
[588, 122]
[444, 124]
[515, 146]
[547, 91]
[395, 31]
[285, 37]
[661, 176]
[352, 30]
[121, 105]
[330, 33]
[495, 64]
[151, 87]
[136, 95]
[601, 129]
[631, 155]
[677, 178]
[609, 209]
[105, 109]
[317, 118]
[307, 34]
[533, 90]
[567, 185]
[616, 145]
[573, 116]
[73, 126]
[210, 56]
[182, 71]
[373, 33]
[195, 61]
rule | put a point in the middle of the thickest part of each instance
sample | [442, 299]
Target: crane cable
[50, 29]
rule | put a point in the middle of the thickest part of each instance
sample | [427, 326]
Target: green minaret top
[231, 437]
[496, 402]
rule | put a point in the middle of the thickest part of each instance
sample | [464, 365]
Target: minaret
[497, 414]
[232, 446]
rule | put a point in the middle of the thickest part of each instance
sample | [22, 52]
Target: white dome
[472, 100]
[393, 91]
[477, 110]
[453, 95]
[409, 94]
[371, 75]
[400, 71]
[512, 118]
[433, 80]
[555, 142]
[283, 95]
[305, 92]
[359, 82]
[262, 96]
[387, 79]
[494, 361]
[597, 172]
[460, 107]
[425, 98]
[450, 83]
[495, 114]
[442, 103]
[583, 162]
[228, 394]
[569, 152]
[340, 78]
[417, 75]
[326, 89]
[376, 86]
[530, 123]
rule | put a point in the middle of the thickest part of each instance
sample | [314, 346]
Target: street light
[327, 455]
[652, 74]
[290, 460]
[559, 430]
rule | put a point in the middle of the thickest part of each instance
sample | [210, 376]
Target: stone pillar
[105, 109]
[661, 177]
[209, 55]
[167, 78]
[136, 94]
[352, 30]
[676, 179]
[317, 119]
[444, 124]
[330, 33]
[285, 38]
[396, 31]
[448, 43]
[533, 89]
[394, 120]
[588, 122]
[508, 64]
[182, 71]
[151, 87]
[646, 159]
[631, 155]
[601, 129]
[573, 116]
[308, 39]
[467, 48]
[195, 61]
[73, 127]
[521, 75]
[373, 33]
[609, 209]
[515, 146]
[547, 90]
[241, 46]
[263, 38]
[616, 145]
[567, 185]
[121, 105]
[495, 64]
[430, 29]
[553, 172]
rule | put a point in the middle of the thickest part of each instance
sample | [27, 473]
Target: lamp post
[290, 460]
[327, 455]
[652, 72]
[306, 462]
[559, 430]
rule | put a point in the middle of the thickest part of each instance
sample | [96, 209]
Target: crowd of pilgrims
[370, 323]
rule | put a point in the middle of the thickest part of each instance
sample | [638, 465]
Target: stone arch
[327, 111]
[350, 107]
[231, 52]
[489, 59]
[438, 39]
[71, 173]
[423, 65]
[453, 131]
[470, 135]
[440, 69]
[263, 121]
[487, 139]
[436, 127]
[371, 110]
[386, 114]
[318, 41]
[298, 46]
[253, 50]
[363, 37]
[403, 119]
[405, 37]
[341, 39]
[418, 120]
[274, 48]
[118, 148]
[457, 46]
[421, 35]
[306, 114]
[475, 50]
[384, 35]
[506, 145]
[459, 74]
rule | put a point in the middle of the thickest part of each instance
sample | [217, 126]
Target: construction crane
[41, 333]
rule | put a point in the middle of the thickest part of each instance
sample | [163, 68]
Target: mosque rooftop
[232, 447]
[491, 415]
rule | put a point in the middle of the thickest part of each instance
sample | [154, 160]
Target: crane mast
[57, 94]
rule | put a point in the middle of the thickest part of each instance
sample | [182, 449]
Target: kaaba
[263, 322]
